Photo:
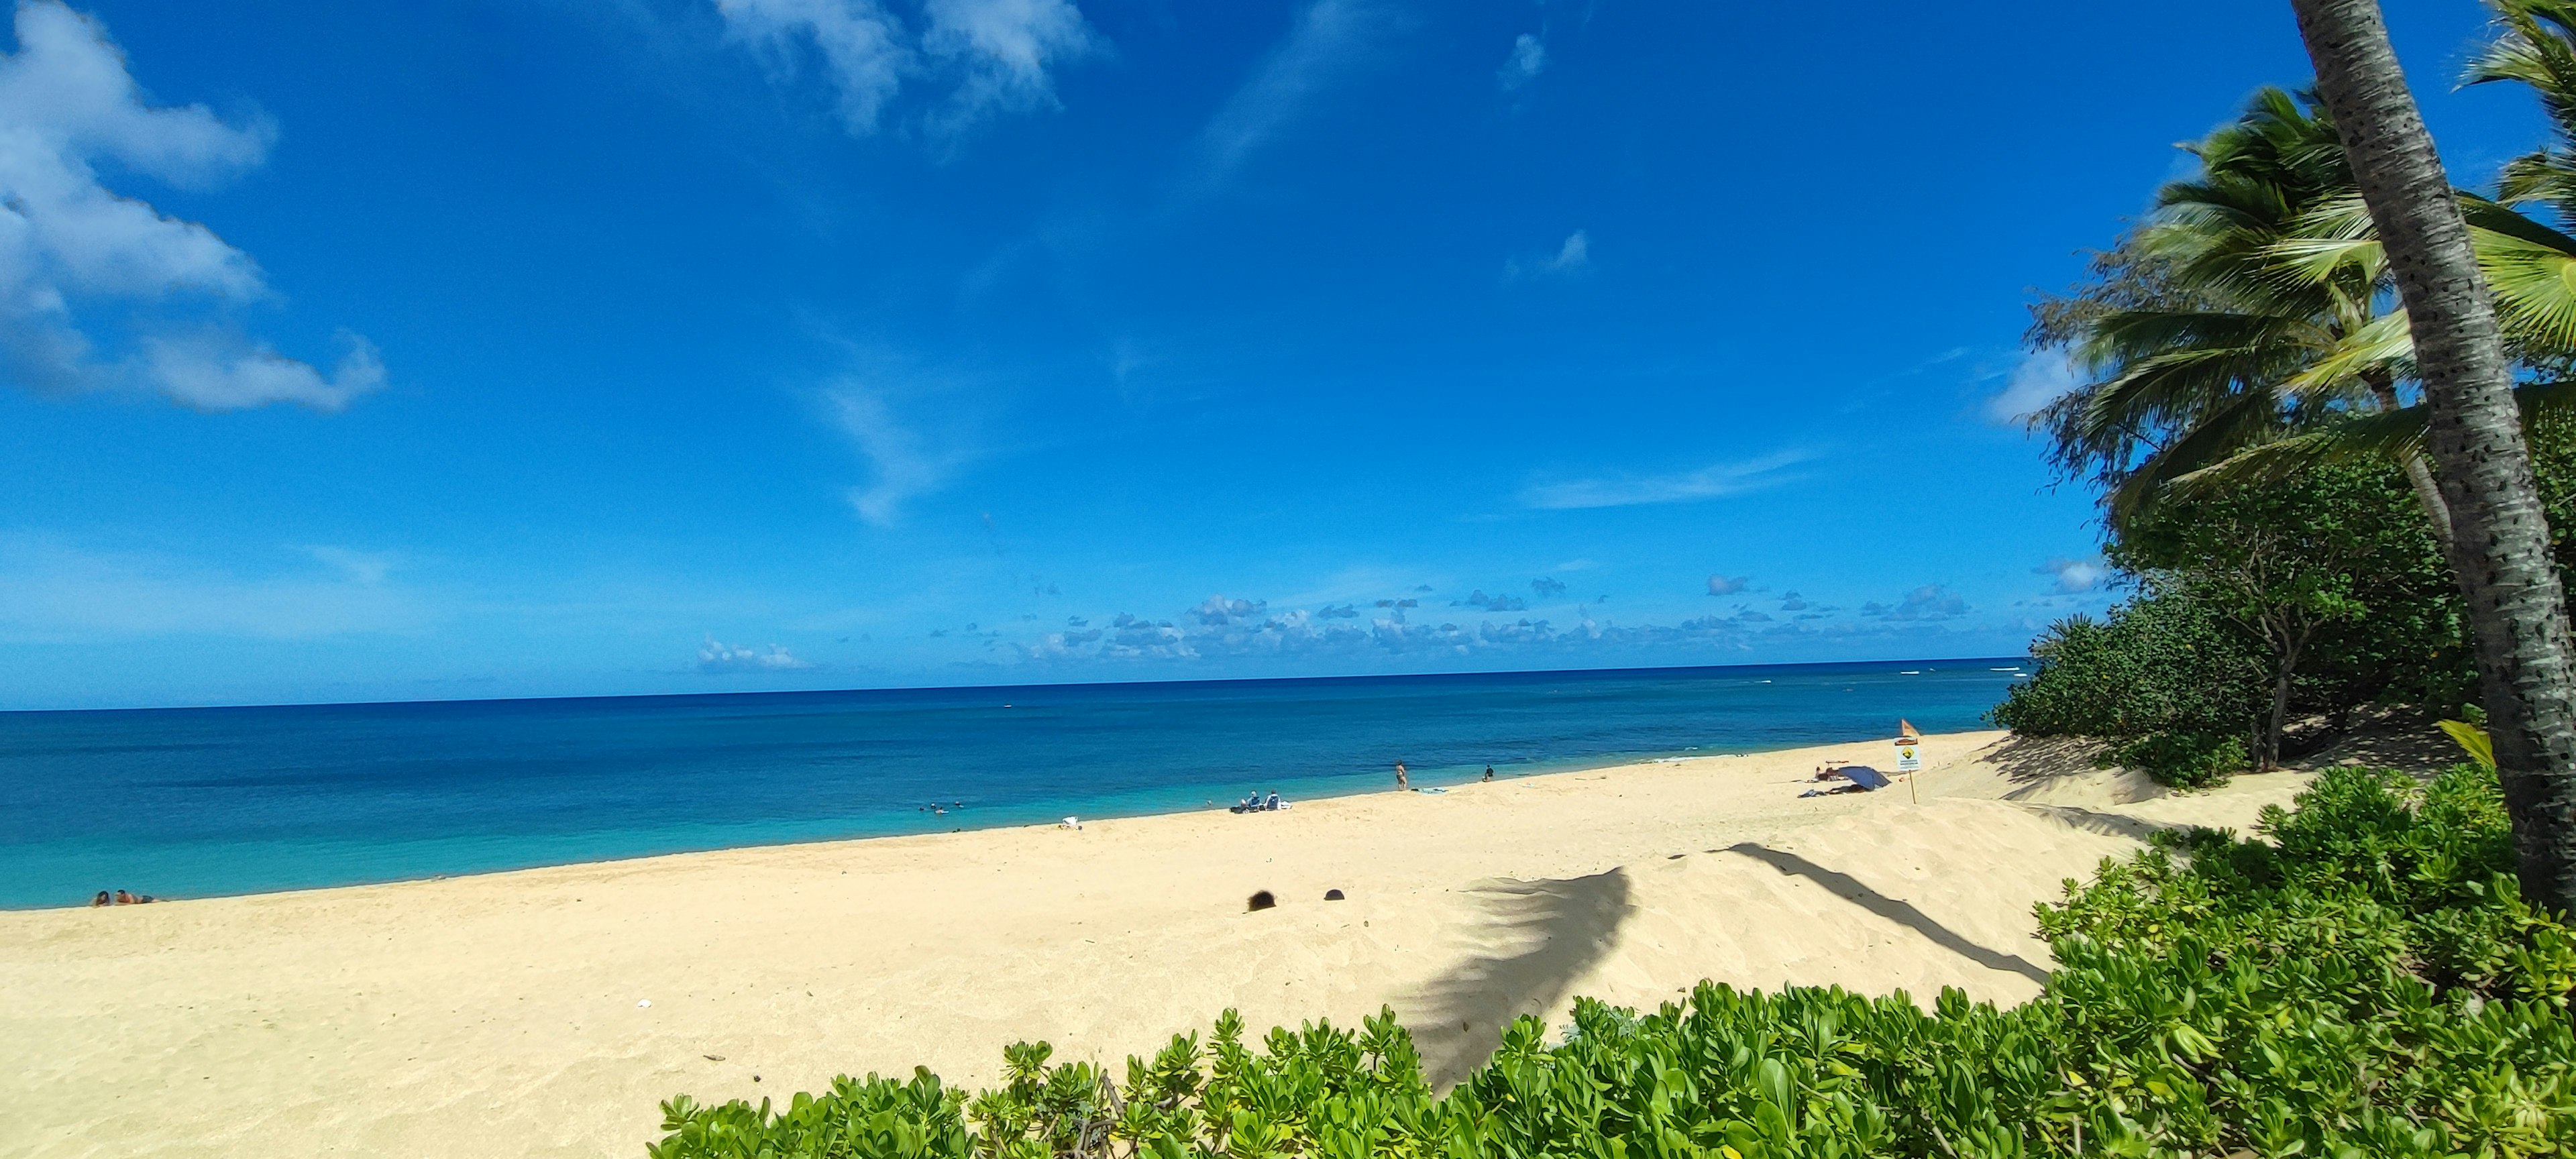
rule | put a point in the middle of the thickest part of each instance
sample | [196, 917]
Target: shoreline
[548, 1011]
[1424, 779]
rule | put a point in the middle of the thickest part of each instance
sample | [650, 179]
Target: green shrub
[2367, 981]
[2163, 678]
[2183, 760]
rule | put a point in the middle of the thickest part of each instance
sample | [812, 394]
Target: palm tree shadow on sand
[1529, 942]
[1901, 912]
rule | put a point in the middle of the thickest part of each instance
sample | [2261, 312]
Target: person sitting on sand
[100, 900]
[1489, 772]
[1272, 804]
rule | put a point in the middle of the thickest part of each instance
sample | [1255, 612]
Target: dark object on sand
[1332, 895]
[1863, 778]
[1261, 901]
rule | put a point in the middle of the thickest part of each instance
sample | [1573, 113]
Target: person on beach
[1402, 782]
[100, 900]
[1272, 804]
[1489, 772]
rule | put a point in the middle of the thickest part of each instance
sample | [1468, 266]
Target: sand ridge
[499, 1015]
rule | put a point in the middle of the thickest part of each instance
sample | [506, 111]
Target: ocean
[201, 802]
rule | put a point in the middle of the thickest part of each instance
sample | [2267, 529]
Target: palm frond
[2383, 348]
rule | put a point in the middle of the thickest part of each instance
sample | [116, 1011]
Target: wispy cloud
[1328, 39]
[50, 591]
[365, 567]
[1711, 482]
[716, 658]
[1003, 49]
[1574, 256]
[905, 467]
[1527, 59]
[69, 245]
[1727, 585]
[993, 56]
[2042, 377]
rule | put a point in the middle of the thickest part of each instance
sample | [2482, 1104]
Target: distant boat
[2014, 668]
[1916, 673]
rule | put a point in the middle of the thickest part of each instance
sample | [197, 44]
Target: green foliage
[2366, 981]
[2164, 678]
[2257, 606]
[2183, 760]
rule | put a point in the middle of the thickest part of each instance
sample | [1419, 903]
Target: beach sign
[1909, 756]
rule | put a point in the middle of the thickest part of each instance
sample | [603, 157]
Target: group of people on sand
[120, 897]
[1256, 803]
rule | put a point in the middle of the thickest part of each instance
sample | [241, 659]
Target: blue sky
[370, 351]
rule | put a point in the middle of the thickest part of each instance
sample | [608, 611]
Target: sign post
[1909, 757]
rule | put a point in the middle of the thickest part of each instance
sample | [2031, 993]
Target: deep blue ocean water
[205, 801]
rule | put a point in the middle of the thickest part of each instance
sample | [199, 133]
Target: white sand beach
[505, 1015]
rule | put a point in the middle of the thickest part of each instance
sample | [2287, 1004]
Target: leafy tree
[2329, 565]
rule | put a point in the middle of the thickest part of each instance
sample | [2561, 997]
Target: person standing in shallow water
[1402, 782]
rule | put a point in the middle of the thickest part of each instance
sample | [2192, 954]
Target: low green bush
[2365, 980]
[2163, 679]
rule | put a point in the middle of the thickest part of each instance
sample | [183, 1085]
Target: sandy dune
[500, 1016]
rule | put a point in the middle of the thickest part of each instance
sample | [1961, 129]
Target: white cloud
[69, 245]
[716, 658]
[992, 55]
[225, 372]
[2074, 575]
[1712, 482]
[1727, 585]
[904, 466]
[862, 45]
[1328, 37]
[1528, 58]
[2041, 378]
[1004, 46]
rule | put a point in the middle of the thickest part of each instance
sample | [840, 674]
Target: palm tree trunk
[2500, 547]
[2420, 477]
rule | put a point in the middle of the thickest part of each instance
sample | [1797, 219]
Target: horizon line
[1208, 681]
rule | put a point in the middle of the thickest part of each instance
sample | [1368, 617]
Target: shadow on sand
[1902, 913]
[2094, 820]
[1530, 942]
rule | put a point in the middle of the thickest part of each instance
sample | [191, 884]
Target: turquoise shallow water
[199, 802]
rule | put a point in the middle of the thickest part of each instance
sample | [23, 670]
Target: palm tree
[2530, 269]
[2241, 314]
[2500, 550]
